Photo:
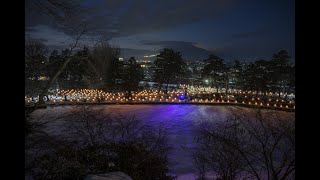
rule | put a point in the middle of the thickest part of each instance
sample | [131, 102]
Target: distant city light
[43, 78]
[152, 55]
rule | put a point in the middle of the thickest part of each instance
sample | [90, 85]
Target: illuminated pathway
[195, 95]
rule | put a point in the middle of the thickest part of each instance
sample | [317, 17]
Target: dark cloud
[137, 53]
[41, 40]
[250, 34]
[240, 52]
[226, 28]
[166, 43]
[189, 50]
[142, 17]
[52, 36]
[124, 18]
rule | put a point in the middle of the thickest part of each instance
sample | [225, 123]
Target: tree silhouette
[214, 70]
[131, 76]
[169, 68]
[105, 63]
[35, 58]
[257, 76]
[279, 65]
[35, 61]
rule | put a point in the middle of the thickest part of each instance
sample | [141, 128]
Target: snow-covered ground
[179, 121]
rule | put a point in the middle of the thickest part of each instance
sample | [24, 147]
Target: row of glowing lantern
[240, 92]
[236, 102]
[154, 92]
[90, 94]
[75, 95]
[98, 95]
[175, 100]
[135, 99]
[197, 89]
[82, 92]
[117, 98]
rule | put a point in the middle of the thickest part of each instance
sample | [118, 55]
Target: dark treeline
[276, 75]
[99, 67]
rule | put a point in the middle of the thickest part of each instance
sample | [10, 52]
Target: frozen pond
[179, 121]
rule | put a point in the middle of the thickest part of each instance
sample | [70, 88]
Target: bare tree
[251, 143]
[35, 59]
[84, 140]
[105, 63]
[73, 20]
[86, 125]
[38, 142]
[59, 10]
[60, 70]
[91, 125]
[213, 155]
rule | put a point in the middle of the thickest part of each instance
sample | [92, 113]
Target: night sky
[245, 30]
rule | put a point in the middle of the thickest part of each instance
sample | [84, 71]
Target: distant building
[147, 69]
